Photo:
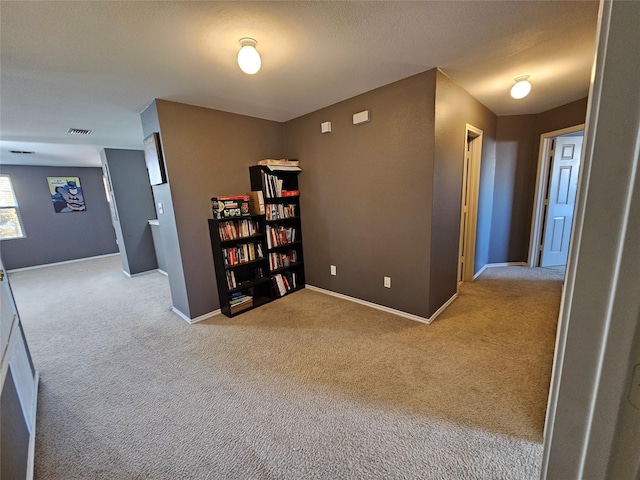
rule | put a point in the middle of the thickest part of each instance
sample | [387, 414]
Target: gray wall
[516, 156]
[378, 199]
[366, 193]
[56, 237]
[455, 108]
[518, 143]
[207, 153]
[134, 205]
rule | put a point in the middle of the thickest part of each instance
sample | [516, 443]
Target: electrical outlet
[387, 282]
[333, 270]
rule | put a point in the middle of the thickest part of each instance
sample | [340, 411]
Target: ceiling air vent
[22, 152]
[79, 131]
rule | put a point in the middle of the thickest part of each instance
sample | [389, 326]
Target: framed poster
[66, 194]
[154, 160]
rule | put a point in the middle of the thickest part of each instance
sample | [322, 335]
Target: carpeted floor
[307, 387]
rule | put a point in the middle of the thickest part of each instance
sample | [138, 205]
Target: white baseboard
[191, 321]
[505, 264]
[163, 272]
[62, 263]
[393, 311]
[146, 272]
[32, 435]
[476, 275]
[443, 307]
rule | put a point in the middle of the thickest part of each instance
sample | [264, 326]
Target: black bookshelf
[283, 229]
[241, 265]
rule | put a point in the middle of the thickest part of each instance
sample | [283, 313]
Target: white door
[18, 394]
[561, 200]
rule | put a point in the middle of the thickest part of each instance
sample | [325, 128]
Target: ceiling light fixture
[248, 57]
[521, 88]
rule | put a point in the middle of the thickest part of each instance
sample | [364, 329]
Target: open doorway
[556, 188]
[469, 203]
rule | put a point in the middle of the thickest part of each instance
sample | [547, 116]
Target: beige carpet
[309, 386]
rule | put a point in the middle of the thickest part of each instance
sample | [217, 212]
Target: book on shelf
[230, 206]
[238, 298]
[284, 168]
[281, 260]
[256, 203]
[239, 302]
[242, 253]
[290, 193]
[281, 162]
[284, 282]
[272, 186]
[233, 229]
[277, 236]
[231, 280]
[278, 211]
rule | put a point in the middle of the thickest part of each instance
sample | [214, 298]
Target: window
[10, 221]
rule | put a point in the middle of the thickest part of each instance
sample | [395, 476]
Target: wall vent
[79, 131]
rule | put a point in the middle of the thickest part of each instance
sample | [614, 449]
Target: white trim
[163, 272]
[542, 178]
[191, 321]
[146, 272]
[595, 343]
[393, 311]
[443, 307]
[471, 178]
[503, 264]
[480, 272]
[506, 264]
[32, 435]
[62, 263]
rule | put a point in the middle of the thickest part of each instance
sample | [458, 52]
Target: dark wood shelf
[293, 198]
[231, 267]
[293, 290]
[283, 269]
[285, 245]
[242, 239]
[289, 219]
[244, 273]
[248, 284]
[262, 289]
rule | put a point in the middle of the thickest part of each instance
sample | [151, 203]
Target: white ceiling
[97, 64]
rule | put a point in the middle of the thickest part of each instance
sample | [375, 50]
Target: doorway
[556, 188]
[469, 203]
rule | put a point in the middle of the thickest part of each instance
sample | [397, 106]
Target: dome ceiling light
[248, 57]
[521, 88]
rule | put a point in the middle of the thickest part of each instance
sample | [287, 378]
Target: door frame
[470, 180]
[542, 181]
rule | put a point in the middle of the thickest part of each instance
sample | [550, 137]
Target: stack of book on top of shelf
[282, 165]
[230, 206]
[239, 302]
